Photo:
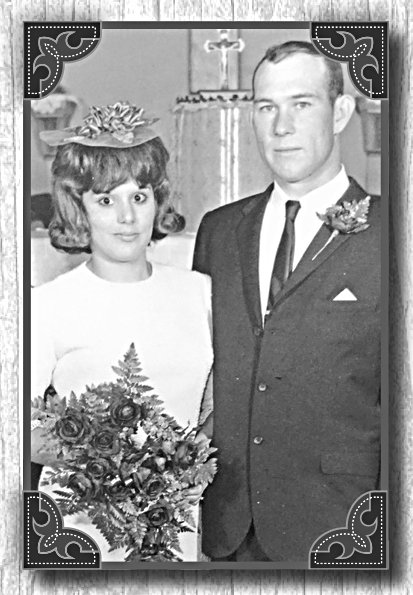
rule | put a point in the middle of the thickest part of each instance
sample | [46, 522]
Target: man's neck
[298, 190]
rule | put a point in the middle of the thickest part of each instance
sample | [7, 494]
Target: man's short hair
[276, 53]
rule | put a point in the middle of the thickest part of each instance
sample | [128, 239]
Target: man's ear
[343, 110]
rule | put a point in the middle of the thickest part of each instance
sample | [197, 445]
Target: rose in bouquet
[125, 462]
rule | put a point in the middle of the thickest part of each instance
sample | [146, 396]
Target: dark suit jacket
[296, 403]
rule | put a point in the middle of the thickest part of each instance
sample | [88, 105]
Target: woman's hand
[38, 455]
[206, 430]
[201, 437]
[195, 494]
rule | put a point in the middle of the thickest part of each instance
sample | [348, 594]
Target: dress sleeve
[207, 401]
[43, 358]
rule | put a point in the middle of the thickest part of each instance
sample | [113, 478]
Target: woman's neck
[119, 272]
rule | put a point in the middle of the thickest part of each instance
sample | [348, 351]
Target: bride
[111, 198]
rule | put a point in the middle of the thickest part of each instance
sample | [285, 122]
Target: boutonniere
[346, 217]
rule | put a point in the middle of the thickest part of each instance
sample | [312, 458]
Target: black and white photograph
[206, 295]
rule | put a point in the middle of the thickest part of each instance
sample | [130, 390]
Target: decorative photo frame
[207, 106]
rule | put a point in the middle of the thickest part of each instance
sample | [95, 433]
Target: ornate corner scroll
[362, 543]
[47, 543]
[47, 46]
[363, 46]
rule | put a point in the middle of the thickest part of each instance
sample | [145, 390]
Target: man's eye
[300, 105]
[266, 108]
[105, 201]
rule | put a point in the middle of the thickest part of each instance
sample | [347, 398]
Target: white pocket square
[345, 296]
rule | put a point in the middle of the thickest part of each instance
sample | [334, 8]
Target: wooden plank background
[13, 579]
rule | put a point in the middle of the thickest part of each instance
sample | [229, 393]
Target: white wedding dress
[82, 325]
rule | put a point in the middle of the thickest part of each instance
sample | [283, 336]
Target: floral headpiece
[118, 126]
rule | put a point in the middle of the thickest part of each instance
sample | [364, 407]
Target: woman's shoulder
[190, 289]
[182, 278]
[61, 283]
[182, 274]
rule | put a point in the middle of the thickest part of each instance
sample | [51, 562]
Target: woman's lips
[127, 237]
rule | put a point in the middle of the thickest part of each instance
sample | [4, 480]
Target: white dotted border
[73, 27]
[39, 497]
[350, 563]
[355, 55]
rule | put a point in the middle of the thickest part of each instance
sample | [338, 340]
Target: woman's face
[121, 222]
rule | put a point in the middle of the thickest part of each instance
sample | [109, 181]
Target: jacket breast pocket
[340, 325]
[345, 306]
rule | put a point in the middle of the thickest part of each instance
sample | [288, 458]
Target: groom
[296, 326]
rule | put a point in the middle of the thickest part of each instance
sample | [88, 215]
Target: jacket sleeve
[201, 252]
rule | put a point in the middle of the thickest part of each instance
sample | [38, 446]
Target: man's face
[293, 120]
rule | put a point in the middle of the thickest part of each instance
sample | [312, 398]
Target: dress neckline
[92, 277]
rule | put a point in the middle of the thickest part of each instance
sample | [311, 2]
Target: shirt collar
[319, 199]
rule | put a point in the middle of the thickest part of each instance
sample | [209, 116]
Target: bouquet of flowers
[125, 462]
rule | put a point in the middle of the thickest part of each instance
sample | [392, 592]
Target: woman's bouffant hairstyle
[78, 168]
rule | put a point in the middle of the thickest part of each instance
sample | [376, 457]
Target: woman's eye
[139, 198]
[105, 201]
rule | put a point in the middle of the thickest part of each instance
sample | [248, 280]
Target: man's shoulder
[229, 211]
[357, 192]
[375, 206]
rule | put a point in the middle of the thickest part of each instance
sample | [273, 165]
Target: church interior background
[198, 82]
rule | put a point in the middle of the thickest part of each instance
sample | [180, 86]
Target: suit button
[262, 387]
[258, 440]
[258, 331]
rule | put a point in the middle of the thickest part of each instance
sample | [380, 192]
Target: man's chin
[288, 179]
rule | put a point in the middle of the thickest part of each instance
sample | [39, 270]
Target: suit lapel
[310, 262]
[248, 237]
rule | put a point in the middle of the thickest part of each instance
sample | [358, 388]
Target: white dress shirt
[306, 226]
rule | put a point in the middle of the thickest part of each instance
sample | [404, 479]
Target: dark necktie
[283, 264]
